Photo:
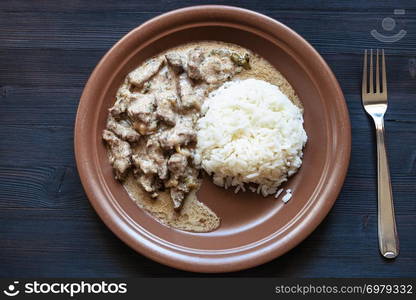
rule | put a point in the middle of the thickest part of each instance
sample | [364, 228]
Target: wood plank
[42, 188]
[344, 31]
[57, 106]
[54, 68]
[53, 144]
[38, 106]
[51, 244]
[63, 69]
[28, 145]
[166, 5]
[59, 188]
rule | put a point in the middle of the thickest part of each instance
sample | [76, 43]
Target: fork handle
[387, 232]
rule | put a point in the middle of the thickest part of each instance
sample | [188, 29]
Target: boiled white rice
[250, 132]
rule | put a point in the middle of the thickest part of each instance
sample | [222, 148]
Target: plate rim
[180, 257]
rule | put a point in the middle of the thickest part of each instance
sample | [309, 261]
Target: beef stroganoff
[152, 133]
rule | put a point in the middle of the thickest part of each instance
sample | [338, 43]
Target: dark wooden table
[48, 50]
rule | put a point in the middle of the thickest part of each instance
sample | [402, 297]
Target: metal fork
[375, 104]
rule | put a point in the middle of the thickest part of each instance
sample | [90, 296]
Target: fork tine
[384, 75]
[377, 74]
[371, 88]
[364, 83]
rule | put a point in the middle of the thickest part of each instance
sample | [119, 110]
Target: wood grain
[48, 50]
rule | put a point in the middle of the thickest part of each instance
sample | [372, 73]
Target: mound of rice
[250, 132]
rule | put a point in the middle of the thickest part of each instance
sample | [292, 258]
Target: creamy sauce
[194, 215]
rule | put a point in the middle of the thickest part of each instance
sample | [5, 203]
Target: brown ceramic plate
[254, 230]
